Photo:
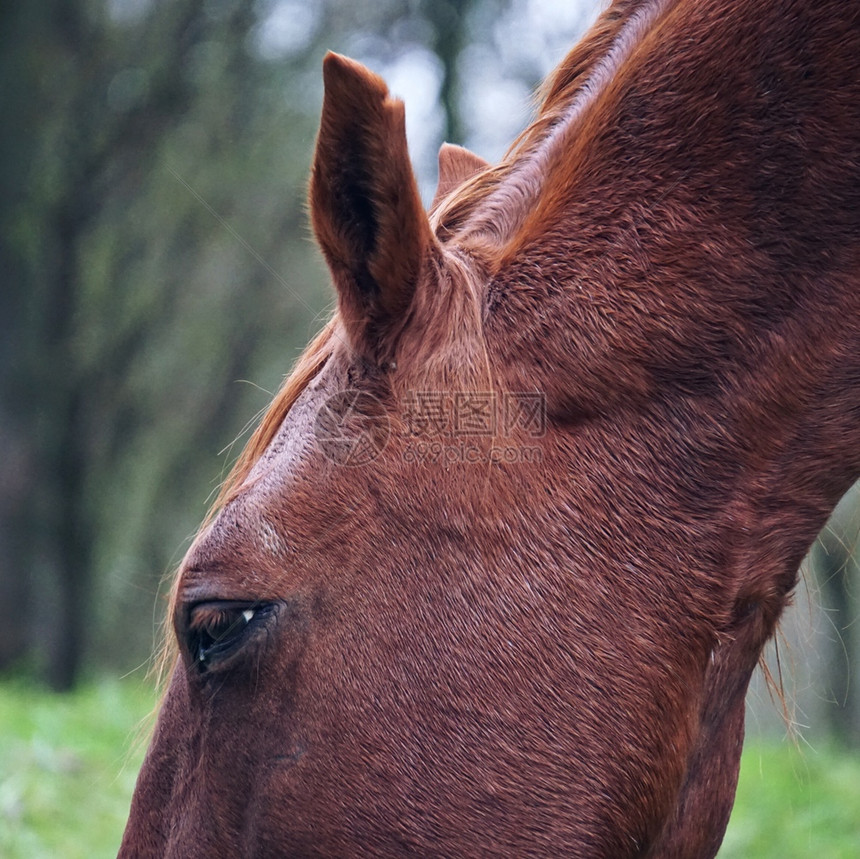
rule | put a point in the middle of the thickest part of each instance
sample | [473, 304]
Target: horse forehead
[294, 441]
[249, 532]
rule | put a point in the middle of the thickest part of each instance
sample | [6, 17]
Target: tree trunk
[449, 26]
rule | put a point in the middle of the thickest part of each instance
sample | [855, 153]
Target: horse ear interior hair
[365, 206]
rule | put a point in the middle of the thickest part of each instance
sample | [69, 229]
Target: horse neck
[691, 260]
[744, 371]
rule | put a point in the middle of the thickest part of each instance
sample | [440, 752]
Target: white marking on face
[269, 538]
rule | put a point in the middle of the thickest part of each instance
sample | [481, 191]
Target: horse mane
[553, 99]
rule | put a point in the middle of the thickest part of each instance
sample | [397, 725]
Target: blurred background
[158, 281]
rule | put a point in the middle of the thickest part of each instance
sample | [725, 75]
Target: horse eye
[217, 629]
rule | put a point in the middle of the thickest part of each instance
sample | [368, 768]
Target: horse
[492, 574]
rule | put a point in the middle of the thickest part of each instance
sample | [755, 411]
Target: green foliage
[68, 765]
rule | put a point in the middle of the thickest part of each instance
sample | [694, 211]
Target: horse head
[495, 570]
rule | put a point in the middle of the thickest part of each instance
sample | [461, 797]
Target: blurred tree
[153, 167]
[16, 108]
[127, 302]
[448, 20]
[835, 566]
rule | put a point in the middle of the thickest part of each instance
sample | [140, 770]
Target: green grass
[68, 765]
[795, 803]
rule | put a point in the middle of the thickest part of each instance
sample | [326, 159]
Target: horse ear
[365, 206]
[456, 165]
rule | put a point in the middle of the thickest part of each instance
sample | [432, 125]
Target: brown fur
[548, 657]
[456, 166]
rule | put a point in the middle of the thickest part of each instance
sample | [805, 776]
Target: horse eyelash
[215, 621]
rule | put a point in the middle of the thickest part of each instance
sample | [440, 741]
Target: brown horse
[493, 574]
